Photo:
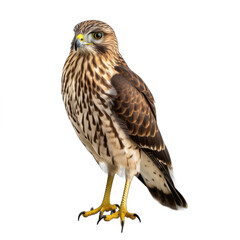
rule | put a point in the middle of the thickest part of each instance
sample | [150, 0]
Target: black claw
[100, 214]
[135, 215]
[122, 224]
[100, 218]
[81, 213]
[91, 209]
[112, 211]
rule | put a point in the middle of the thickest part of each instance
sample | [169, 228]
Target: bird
[113, 113]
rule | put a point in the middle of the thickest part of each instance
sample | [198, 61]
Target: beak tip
[77, 44]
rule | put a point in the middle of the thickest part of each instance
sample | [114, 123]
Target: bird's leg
[105, 206]
[122, 212]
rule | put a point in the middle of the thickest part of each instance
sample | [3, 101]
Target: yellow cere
[81, 38]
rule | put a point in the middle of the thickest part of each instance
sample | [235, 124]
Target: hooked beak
[79, 42]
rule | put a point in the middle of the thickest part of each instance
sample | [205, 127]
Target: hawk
[113, 113]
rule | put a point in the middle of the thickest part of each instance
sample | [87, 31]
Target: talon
[100, 214]
[135, 215]
[91, 208]
[122, 224]
[112, 211]
[102, 217]
[81, 213]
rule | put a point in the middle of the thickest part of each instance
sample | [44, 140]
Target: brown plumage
[113, 113]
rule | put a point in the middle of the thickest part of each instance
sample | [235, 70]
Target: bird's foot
[104, 207]
[121, 213]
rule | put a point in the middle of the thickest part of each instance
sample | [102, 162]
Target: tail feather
[156, 177]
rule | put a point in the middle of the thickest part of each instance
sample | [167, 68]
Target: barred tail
[156, 177]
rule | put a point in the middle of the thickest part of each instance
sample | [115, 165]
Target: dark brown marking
[105, 141]
[108, 154]
[89, 126]
[97, 76]
[104, 82]
[102, 64]
[101, 71]
[83, 123]
[90, 70]
[94, 62]
[69, 107]
[99, 150]
[98, 110]
[95, 137]
[93, 84]
[80, 108]
[81, 84]
[101, 48]
[93, 121]
[83, 100]
[97, 128]
[86, 85]
[106, 145]
[103, 101]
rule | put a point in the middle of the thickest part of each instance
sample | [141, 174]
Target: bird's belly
[104, 138]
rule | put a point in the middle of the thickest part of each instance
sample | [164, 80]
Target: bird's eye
[97, 35]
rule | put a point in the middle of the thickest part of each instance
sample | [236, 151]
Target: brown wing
[134, 105]
[138, 83]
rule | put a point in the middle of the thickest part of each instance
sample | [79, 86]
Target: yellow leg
[105, 206]
[122, 212]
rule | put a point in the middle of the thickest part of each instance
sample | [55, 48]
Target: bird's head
[94, 37]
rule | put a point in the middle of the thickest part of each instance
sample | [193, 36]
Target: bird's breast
[86, 89]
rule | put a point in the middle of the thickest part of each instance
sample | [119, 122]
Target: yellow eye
[97, 35]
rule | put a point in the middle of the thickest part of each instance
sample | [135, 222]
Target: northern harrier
[113, 113]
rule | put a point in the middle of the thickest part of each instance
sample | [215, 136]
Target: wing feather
[134, 106]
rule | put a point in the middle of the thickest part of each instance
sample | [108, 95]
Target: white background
[188, 53]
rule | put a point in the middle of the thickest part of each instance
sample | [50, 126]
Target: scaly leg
[122, 212]
[105, 206]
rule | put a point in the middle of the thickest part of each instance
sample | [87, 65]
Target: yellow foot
[122, 213]
[104, 207]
